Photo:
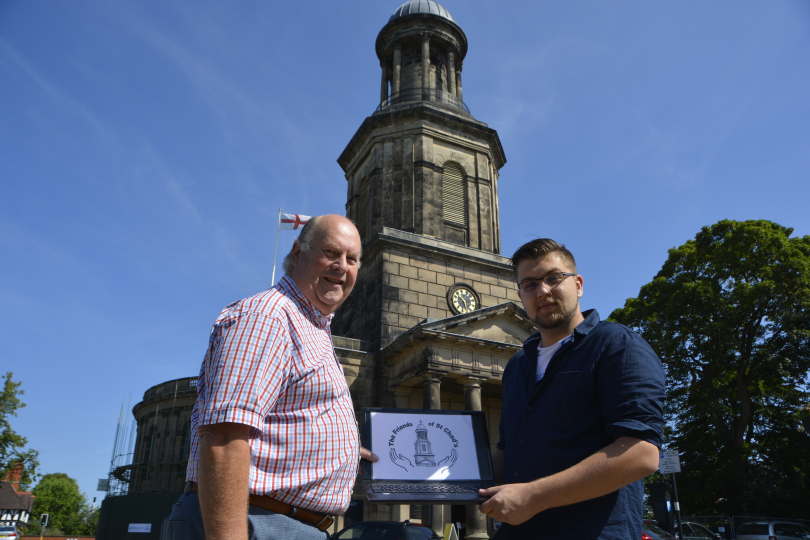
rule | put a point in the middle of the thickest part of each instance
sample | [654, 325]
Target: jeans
[185, 523]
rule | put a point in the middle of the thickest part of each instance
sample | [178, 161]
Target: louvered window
[453, 194]
[362, 208]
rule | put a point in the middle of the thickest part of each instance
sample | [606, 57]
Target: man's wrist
[536, 493]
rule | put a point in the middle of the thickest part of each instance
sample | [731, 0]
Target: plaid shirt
[271, 365]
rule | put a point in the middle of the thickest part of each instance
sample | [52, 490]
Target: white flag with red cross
[292, 222]
[287, 222]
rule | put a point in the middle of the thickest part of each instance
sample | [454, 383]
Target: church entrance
[458, 516]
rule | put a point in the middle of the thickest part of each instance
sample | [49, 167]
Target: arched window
[454, 195]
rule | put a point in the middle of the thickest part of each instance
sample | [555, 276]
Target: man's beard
[556, 319]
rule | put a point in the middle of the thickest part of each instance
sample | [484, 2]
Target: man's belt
[319, 521]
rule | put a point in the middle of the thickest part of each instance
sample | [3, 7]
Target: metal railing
[423, 94]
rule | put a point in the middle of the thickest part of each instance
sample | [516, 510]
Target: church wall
[162, 441]
[407, 202]
[411, 69]
[417, 286]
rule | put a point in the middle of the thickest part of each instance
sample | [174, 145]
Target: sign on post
[140, 527]
[669, 462]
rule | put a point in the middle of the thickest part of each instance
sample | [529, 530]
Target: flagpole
[275, 250]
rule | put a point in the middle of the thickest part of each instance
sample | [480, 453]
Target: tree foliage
[729, 316]
[12, 445]
[58, 495]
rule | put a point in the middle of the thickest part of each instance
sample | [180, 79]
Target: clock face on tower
[462, 299]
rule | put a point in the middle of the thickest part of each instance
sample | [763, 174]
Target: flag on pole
[291, 222]
[286, 222]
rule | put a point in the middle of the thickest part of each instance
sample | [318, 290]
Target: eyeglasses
[551, 281]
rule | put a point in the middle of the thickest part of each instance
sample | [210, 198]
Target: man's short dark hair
[541, 247]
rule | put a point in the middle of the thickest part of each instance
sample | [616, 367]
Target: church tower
[435, 314]
[423, 455]
[422, 163]
[422, 175]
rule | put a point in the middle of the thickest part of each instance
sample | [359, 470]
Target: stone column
[431, 387]
[397, 70]
[472, 392]
[458, 83]
[451, 71]
[425, 63]
[431, 399]
[384, 84]
[476, 521]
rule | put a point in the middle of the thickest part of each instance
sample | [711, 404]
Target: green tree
[12, 445]
[729, 315]
[58, 495]
[91, 523]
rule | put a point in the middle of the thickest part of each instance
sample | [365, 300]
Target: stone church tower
[435, 315]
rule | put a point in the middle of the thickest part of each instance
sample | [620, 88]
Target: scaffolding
[151, 447]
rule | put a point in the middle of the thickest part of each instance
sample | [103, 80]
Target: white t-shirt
[544, 354]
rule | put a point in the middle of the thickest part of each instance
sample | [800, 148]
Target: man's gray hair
[304, 241]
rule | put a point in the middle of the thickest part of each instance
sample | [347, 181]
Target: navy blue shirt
[603, 383]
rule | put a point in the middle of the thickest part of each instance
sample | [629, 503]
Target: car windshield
[368, 530]
[656, 532]
[790, 530]
[753, 528]
[6, 529]
[419, 533]
[384, 531]
[697, 531]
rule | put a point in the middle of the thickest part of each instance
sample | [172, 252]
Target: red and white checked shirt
[271, 365]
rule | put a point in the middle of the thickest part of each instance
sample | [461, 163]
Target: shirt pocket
[575, 394]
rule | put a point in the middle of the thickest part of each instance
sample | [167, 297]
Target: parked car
[691, 531]
[696, 531]
[9, 532]
[387, 530]
[651, 531]
[772, 530]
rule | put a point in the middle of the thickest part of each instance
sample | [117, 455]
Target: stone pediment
[504, 323]
[479, 343]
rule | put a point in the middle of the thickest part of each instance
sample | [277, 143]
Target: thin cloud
[210, 83]
[56, 94]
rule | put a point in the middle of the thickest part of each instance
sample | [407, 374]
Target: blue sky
[146, 148]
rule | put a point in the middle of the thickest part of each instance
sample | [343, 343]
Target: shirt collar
[287, 285]
[591, 320]
[582, 329]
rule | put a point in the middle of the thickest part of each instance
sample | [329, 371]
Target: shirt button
[521, 440]
[530, 407]
[516, 475]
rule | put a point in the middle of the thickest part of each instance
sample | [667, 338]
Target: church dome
[421, 6]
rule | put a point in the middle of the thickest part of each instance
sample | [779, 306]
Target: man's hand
[365, 453]
[620, 463]
[511, 503]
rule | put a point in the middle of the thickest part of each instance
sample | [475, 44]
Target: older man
[274, 448]
[581, 421]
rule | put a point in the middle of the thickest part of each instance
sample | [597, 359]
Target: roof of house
[11, 499]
